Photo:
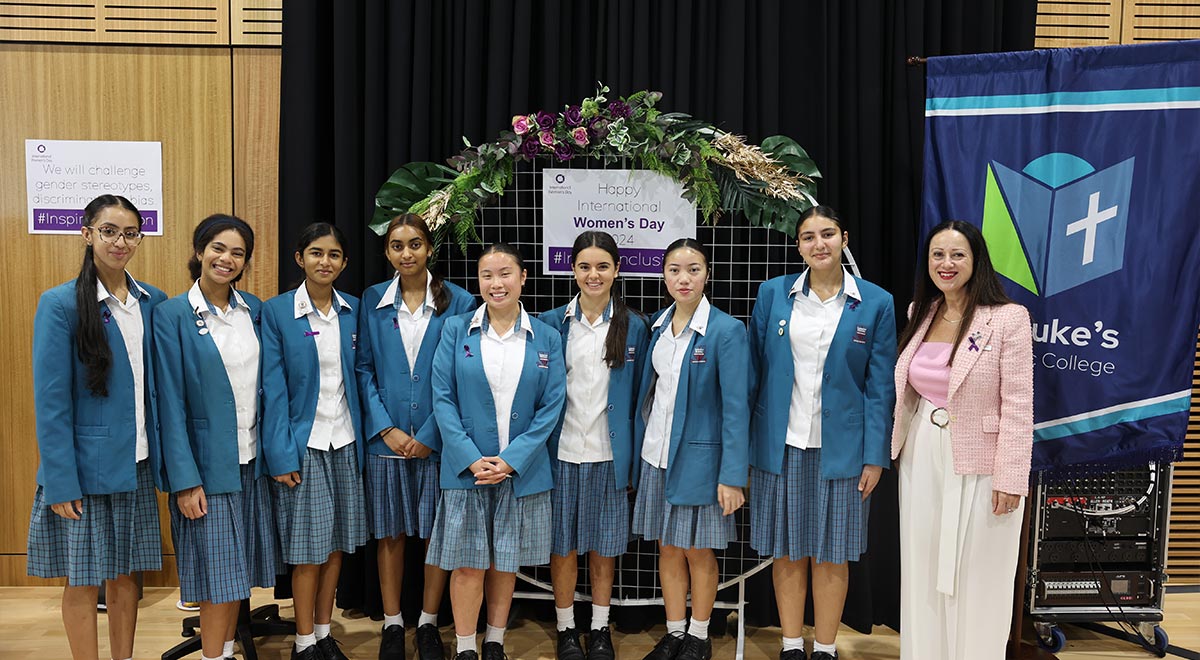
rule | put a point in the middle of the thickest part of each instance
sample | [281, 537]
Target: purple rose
[599, 128]
[563, 151]
[580, 135]
[521, 124]
[547, 139]
[573, 116]
[545, 120]
[530, 146]
[620, 110]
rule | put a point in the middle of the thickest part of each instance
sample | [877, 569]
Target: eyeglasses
[111, 235]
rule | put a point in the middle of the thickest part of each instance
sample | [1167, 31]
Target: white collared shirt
[584, 436]
[503, 360]
[128, 316]
[411, 323]
[810, 332]
[232, 330]
[332, 426]
[667, 358]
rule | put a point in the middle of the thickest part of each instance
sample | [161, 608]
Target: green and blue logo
[1058, 223]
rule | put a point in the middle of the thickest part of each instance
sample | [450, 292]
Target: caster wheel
[1054, 641]
[188, 632]
[1161, 640]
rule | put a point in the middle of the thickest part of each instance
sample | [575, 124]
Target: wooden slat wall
[1169, 20]
[1183, 553]
[144, 22]
[1078, 23]
[257, 22]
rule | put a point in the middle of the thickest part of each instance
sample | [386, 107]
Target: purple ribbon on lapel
[107, 316]
[974, 339]
[853, 304]
[467, 350]
[311, 333]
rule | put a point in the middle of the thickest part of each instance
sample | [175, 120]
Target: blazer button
[826, 378]
[610, 407]
[825, 413]
[515, 415]
[612, 434]
[414, 406]
[416, 377]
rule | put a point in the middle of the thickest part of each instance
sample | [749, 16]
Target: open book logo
[1057, 223]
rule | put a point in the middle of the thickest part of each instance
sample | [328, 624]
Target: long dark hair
[618, 328]
[90, 340]
[983, 288]
[208, 229]
[693, 244]
[441, 295]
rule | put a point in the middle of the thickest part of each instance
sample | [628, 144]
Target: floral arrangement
[770, 185]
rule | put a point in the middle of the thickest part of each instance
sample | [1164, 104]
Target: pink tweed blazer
[990, 398]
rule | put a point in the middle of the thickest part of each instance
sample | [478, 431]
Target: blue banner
[1082, 167]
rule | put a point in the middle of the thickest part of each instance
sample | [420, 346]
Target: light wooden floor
[29, 619]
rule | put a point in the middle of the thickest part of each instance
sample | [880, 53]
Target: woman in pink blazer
[963, 438]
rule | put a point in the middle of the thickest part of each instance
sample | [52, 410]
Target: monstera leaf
[407, 186]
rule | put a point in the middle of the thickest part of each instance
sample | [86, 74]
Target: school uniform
[396, 346]
[313, 424]
[592, 446]
[823, 395]
[692, 428]
[209, 410]
[95, 449]
[495, 395]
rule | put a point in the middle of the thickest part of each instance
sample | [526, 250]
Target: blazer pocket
[703, 443]
[90, 431]
[991, 424]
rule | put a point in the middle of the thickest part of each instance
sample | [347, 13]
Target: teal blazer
[622, 390]
[466, 412]
[858, 392]
[197, 413]
[88, 444]
[291, 381]
[392, 394]
[710, 427]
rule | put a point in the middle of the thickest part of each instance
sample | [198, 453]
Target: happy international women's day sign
[1079, 165]
[644, 211]
[62, 176]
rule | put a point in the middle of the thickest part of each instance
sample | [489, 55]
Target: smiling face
[322, 260]
[501, 279]
[820, 242]
[950, 261]
[685, 272]
[223, 259]
[118, 222]
[407, 250]
[594, 273]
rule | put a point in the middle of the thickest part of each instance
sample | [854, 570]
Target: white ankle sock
[679, 626]
[393, 620]
[793, 643]
[827, 648]
[698, 629]
[305, 641]
[426, 617]
[205, 657]
[465, 643]
[599, 616]
[228, 650]
[564, 617]
[321, 630]
[494, 634]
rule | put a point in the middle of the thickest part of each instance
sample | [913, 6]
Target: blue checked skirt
[656, 519]
[798, 514]
[232, 548]
[490, 527]
[590, 512]
[324, 514]
[402, 496]
[117, 534]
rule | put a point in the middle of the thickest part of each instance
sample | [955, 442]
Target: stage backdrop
[1080, 166]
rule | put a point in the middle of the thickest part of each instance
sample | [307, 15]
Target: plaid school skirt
[324, 513]
[690, 526]
[116, 534]
[232, 548]
[402, 496]
[798, 514]
[590, 513]
[490, 527]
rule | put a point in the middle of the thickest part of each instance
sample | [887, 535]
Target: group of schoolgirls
[501, 439]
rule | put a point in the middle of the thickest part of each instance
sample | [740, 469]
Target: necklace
[955, 322]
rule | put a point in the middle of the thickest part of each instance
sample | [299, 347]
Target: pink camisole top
[929, 373]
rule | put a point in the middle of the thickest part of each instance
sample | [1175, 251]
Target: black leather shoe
[568, 647]
[429, 643]
[600, 646]
[391, 647]
[793, 654]
[465, 655]
[493, 651]
[310, 653]
[329, 649]
[821, 655]
[694, 648]
[666, 648]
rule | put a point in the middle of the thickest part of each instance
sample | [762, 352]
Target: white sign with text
[62, 176]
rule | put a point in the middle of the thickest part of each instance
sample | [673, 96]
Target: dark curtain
[369, 86]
